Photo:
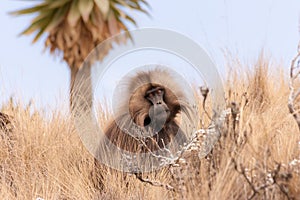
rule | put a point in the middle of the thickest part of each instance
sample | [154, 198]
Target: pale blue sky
[243, 27]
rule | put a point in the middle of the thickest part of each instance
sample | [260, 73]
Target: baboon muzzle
[159, 112]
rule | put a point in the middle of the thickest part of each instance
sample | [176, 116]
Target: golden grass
[45, 157]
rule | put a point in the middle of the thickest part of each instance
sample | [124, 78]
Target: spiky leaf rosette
[75, 27]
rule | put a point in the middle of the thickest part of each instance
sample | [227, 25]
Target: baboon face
[146, 116]
[153, 105]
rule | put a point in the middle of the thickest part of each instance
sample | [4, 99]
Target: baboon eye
[153, 92]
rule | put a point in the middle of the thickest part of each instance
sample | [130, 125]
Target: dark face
[159, 111]
[153, 106]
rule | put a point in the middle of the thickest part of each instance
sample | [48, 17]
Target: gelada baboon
[149, 115]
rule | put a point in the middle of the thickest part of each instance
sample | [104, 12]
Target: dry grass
[257, 156]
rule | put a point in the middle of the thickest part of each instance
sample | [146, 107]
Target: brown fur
[134, 108]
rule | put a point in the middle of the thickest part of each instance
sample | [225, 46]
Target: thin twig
[294, 95]
[153, 183]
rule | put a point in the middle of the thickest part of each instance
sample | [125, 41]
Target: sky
[244, 28]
